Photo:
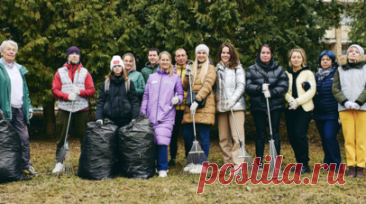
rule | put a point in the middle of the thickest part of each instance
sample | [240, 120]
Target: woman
[230, 82]
[163, 91]
[137, 78]
[350, 91]
[117, 103]
[326, 108]
[302, 88]
[203, 76]
[266, 79]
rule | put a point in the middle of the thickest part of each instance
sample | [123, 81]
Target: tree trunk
[49, 120]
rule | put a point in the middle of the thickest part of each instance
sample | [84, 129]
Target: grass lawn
[177, 187]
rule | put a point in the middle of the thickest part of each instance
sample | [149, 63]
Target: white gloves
[188, 70]
[194, 107]
[75, 89]
[265, 87]
[100, 121]
[229, 103]
[293, 105]
[175, 99]
[355, 106]
[30, 115]
[267, 94]
[352, 105]
[339, 121]
[72, 96]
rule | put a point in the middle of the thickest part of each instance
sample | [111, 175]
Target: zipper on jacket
[157, 107]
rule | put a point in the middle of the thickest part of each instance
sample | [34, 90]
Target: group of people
[335, 95]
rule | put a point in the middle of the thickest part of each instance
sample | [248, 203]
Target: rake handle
[194, 122]
[269, 119]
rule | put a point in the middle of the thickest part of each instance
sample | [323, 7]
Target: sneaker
[58, 168]
[30, 171]
[163, 174]
[171, 162]
[188, 167]
[196, 169]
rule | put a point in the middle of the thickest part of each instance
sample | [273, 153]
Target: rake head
[246, 158]
[273, 154]
[196, 155]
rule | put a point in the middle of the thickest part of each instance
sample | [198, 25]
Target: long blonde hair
[171, 69]
[203, 73]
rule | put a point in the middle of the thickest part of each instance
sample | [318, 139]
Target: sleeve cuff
[343, 102]
[359, 103]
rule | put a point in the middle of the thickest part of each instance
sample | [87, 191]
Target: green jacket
[147, 70]
[138, 81]
[5, 87]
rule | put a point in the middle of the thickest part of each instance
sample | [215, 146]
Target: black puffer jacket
[278, 80]
[121, 108]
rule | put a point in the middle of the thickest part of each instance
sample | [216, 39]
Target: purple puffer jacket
[157, 102]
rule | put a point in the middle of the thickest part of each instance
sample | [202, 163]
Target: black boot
[352, 172]
[305, 169]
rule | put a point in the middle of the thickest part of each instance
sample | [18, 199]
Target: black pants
[260, 121]
[176, 130]
[297, 124]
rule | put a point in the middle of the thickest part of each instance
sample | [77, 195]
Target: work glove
[230, 103]
[293, 105]
[72, 96]
[355, 106]
[175, 99]
[265, 87]
[75, 89]
[306, 85]
[30, 115]
[194, 107]
[267, 94]
[100, 121]
[188, 70]
[349, 105]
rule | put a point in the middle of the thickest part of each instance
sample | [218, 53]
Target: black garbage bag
[10, 153]
[137, 148]
[98, 153]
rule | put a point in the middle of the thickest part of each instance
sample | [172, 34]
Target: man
[67, 86]
[14, 99]
[181, 58]
[152, 65]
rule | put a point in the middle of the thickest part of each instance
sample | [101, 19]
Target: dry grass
[176, 188]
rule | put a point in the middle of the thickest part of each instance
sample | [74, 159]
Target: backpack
[107, 83]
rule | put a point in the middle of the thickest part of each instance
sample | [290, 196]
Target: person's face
[265, 55]
[326, 62]
[9, 53]
[128, 61]
[73, 58]
[181, 57]
[165, 62]
[296, 59]
[201, 56]
[353, 53]
[153, 57]
[225, 55]
[117, 70]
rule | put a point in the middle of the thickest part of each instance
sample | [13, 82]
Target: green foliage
[44, 29]
[357, 12]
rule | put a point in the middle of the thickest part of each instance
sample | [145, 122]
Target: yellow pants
[354, 131]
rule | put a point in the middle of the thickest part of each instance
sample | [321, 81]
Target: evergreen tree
[357, 11]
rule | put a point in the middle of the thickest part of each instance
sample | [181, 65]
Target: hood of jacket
[291, 71]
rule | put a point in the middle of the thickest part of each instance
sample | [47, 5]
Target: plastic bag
[137, 148]
[10, 153]
[98, 153]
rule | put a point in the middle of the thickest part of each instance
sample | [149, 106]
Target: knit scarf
[264, 66]
[324, 72]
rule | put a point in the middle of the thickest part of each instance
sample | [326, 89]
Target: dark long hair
[234, 57]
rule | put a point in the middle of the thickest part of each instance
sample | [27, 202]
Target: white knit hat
[117, 60]
[362, 52]
[204, 48]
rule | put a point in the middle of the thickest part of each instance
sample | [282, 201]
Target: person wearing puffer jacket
[230, 86]
[266, 79]
[326, 108]
[302, 88]
[118, 104]
[349, 89]
[163, 92]
[137, 78]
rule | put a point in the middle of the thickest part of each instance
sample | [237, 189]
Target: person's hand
[188, 70]
[194, 107]
[265, 87]
[267, 94]
[30, 115]
[75, 89]
[100, 121]
[293, 105]
[355, 106]
[229, 103]
[72, 96]
[175, 99]
[349, 105]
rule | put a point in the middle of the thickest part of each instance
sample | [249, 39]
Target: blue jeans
[328, 130]
[204, 132]
[162, 157]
